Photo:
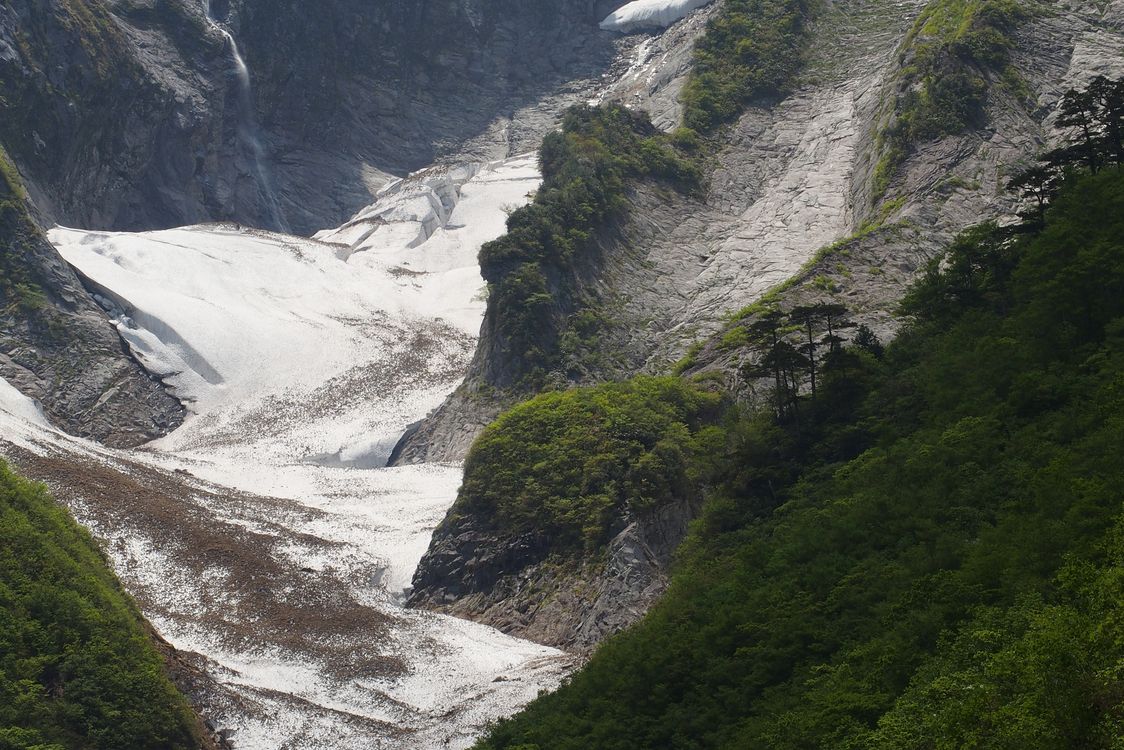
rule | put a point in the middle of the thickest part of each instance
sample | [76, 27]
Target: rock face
[57, 346]
[515, 585]
[127, 114]
[791, 179]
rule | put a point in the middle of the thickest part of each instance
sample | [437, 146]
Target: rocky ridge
[518, 586]
[57, 345]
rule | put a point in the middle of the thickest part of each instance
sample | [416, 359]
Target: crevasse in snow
[649, 14]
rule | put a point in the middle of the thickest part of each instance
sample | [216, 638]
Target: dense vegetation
[568, 465]
[751, 50]
[77, 669]
[948, 57]
[931, 555]
[532, 270]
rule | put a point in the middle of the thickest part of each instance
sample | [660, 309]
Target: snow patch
[649, 14]
[19, 407]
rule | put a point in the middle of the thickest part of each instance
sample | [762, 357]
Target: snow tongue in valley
[264, 538]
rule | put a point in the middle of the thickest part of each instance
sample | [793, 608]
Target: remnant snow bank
[287, 601]
[317, 351]
[649, 14]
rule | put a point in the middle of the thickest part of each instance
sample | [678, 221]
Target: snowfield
[264, 538]
[649, 14]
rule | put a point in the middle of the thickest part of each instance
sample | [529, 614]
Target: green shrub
[18, 283]
[751, 50]
[566, 465]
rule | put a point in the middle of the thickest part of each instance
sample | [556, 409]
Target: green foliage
[531, 269]
[77, 669]
[948, 56]
[751, 50]
[932, 559]
[1092, 124]
[565, 465]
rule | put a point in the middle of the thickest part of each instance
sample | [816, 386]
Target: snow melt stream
[263, 536]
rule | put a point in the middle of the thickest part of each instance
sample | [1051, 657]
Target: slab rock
[570, 601]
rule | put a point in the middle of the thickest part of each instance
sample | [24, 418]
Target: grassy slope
[933, 561]
[77, 668]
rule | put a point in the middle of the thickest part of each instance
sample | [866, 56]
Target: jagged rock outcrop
[57, 345]
[519, 587]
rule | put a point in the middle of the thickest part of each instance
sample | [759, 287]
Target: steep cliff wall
[126, 114]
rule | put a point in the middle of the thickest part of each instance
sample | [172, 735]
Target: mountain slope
[837, 193]
[799, 187]
[931, 557]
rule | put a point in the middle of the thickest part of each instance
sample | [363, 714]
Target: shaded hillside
[127, 114]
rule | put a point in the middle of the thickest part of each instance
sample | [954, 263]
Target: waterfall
[248, 131]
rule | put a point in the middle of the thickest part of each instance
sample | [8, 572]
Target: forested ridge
[77, 667]
[929, 551]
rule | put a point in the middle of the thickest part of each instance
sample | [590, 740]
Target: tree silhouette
[1040, 183]
[1079, 110]
[1109, 99]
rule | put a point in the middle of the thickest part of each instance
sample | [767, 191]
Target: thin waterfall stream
[248, 130]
